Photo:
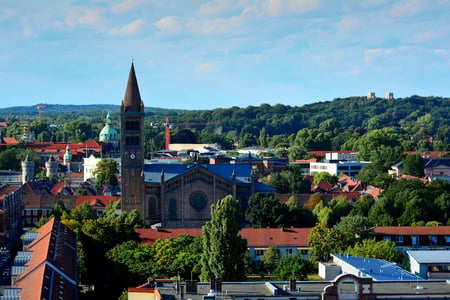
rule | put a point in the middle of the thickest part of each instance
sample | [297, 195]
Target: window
[433, 240]
[259, 252]
[172, 209]
[288, 251]
[387, 237]
[415, 240]
[447, 238]
[399, 238]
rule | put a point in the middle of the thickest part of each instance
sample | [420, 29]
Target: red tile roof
[97, 201]
[52, 268]
[256, 237]
[412, 230]
[10, 140]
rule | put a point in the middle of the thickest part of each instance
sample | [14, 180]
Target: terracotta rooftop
[412, 230]
[97, 201]
[256, 237]
[52, 270]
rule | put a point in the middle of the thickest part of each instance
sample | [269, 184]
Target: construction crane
[40, 107]
[169, 125]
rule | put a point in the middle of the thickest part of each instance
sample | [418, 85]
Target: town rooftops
[52, 268]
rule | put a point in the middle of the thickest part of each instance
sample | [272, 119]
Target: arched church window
[172, 209]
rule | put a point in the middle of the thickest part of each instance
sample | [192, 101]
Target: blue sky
[192, 54]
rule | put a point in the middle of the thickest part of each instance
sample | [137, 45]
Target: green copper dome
[108, 133]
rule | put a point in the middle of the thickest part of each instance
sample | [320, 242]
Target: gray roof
[377, 269]
[430, 256]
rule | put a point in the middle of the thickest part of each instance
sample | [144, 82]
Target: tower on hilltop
[132, 146]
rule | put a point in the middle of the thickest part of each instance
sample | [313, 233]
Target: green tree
[270, 258]
[265, 211]
[355, 227]
[386, 250]
[292, 266]
[375, 174]
[413, 165]
[106, 173]
[224, 250]
[362, 206]
[324, 241]
[325, 176]
[83, 212]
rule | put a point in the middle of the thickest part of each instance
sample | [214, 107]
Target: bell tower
[132, 147]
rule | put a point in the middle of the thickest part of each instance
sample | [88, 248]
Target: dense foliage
[224, 250]
[407, 124]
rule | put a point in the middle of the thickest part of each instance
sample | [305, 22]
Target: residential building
[289, 241]
[376, 269]
[430, 264]
[10, 214]
[51, 270]
[350, 168]
[415, 237]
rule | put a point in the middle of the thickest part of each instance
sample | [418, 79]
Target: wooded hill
[416, 119]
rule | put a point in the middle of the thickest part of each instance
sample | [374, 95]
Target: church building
[173, 195]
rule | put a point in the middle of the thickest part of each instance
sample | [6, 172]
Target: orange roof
[256, 237]
[412, 230]
[52, 266]
[3, 124]
[59, 187]
[10, 140]
[97, 201]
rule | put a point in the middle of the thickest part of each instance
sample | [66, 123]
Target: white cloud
[169, 23]
[217, 25]
[277, 8]
[27, 28]
[372, 3]
[83, 17]
[216, 7]
[349, 23]
[425, 36]
[128, 29]
[371, 54]
[125, 6]
[410, 7]
[205, 68]
[7, 14]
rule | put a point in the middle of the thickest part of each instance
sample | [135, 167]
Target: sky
[192, 54]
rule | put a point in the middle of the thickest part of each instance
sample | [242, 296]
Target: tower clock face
[132, 156]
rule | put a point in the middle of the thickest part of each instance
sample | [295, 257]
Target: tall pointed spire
[132, 100]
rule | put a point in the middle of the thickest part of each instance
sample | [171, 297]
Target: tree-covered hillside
[418, 124]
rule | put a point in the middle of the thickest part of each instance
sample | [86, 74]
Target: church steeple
[132, 100]
[132, 147]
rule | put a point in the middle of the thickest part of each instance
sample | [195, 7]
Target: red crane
[168, 126]
[40, 107]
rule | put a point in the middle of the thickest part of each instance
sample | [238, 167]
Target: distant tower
[51, 166]
[27, 170]
[67, 159]
[132, 147]
[371, 95]
[109, 136]
[389, 96]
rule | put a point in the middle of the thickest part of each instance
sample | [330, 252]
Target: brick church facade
[178, 195]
